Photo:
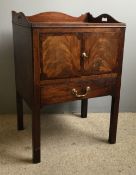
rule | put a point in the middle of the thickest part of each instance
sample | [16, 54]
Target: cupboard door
[60, 55]
[101, 52]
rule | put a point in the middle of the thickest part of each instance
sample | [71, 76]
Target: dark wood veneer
[60, 55]
[61, 91]
[60, 58]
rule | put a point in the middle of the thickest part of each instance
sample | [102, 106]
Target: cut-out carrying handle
[104, 18]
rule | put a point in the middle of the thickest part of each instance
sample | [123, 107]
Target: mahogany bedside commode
[60, 58]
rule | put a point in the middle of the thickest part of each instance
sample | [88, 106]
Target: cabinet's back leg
[84, 104]
[113, 119]
[19, 102]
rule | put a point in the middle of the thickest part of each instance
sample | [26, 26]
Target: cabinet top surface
[57, 19]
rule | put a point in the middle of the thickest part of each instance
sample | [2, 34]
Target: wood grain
[56, 17]
[102, 50]
[61, 90]
[60, 56]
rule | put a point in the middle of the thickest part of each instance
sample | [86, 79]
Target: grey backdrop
[120, 9]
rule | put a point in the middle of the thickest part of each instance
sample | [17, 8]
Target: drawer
[57, 91]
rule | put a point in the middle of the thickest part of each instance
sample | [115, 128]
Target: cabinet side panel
[23, 62]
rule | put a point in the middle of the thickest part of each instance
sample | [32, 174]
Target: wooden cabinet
[60, 58]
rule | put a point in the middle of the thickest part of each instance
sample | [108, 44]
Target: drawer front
[103, 52]
[59, 55]
[57, 91]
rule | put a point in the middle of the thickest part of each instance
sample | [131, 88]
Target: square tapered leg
[113, 119]
[36, 134]
[84, 104]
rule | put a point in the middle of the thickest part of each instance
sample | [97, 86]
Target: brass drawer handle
[84, 55]
[74, 91]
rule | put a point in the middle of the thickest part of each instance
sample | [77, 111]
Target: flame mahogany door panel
[102, 50]
[60, 55]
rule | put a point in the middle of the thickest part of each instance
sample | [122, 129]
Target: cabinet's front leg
[36, 134]
[114, 119]
[19, 102]
[84, 104]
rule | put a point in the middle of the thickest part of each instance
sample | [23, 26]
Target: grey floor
[70, 146]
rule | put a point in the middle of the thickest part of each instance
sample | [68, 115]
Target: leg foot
[36, 156]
